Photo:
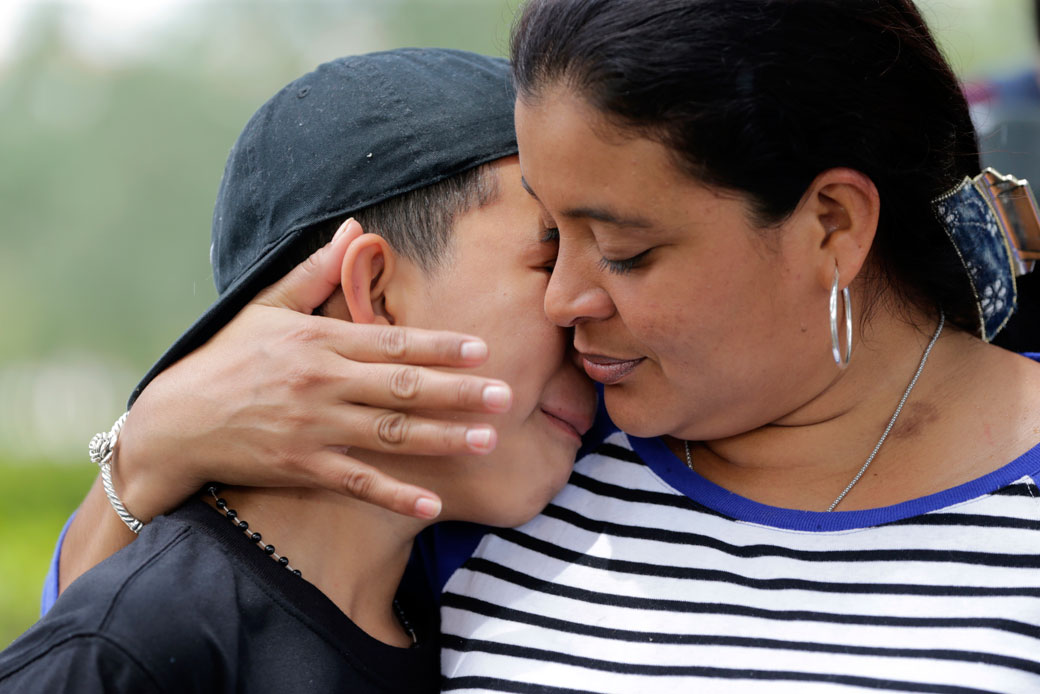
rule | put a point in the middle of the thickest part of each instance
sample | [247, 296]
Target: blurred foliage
[983, 37]
[111, 170]
[35, 501]
[109, 165]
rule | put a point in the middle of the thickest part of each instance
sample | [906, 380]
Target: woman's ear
[843, 206]
[368, 266]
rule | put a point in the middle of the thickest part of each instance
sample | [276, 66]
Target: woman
[713, 196]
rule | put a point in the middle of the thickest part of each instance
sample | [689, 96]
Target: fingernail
[473, 350]
[479, 440]
[342, 228]
[426, 507]
[497, 397]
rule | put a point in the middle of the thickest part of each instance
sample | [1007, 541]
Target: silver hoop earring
[835, 344]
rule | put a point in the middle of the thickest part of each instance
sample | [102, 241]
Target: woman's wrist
[140, 478]
[102, 452]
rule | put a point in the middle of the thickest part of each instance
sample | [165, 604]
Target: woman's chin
[635, 416]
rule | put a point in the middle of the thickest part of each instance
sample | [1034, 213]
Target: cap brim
[264, 273]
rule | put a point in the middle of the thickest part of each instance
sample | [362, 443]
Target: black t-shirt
[193, 606]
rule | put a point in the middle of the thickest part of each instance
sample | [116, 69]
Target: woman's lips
[608, 370]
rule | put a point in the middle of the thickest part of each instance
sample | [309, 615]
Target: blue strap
[50, 583]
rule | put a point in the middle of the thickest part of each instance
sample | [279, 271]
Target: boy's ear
[368, 265]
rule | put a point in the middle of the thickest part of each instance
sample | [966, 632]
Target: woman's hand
[279, 396]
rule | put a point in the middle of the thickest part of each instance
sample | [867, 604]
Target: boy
[418, 146]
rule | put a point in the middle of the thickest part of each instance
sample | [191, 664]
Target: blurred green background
[115, 120]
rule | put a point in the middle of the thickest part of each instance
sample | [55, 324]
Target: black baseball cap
[354, 132]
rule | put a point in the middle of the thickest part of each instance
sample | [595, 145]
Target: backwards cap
[354, 132]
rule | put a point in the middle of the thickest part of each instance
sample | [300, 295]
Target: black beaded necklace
[283, 560]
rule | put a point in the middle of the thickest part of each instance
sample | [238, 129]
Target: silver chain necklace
[268, 549]
[891, 422]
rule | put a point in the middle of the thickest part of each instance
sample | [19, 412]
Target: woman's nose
[572, 296]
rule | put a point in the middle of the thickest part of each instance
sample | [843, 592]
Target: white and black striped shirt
[642, 576]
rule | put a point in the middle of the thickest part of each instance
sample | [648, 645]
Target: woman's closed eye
[622, 265]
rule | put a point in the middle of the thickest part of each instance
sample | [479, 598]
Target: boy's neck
[353, 552]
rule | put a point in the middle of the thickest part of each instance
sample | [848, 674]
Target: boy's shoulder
[153, 613]
[193, 606]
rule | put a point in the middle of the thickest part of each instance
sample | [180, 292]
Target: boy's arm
[272, 400]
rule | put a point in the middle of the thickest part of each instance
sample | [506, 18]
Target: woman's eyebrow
[597, 213]
[604, 215]
[527, 187]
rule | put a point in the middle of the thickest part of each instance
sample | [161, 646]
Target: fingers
[402, 386]
[396, 432]
[402, 345]
[311, 282]
[349, 476]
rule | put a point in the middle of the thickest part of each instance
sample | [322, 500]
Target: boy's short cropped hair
[418, 225]
[376, 136]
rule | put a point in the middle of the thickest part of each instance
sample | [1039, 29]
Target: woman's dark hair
[760, 96]
[1036, 20]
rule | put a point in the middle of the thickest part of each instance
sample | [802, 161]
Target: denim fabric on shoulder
[992, 222]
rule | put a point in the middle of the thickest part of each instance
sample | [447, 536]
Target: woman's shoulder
[1009, 389]
[983, 414]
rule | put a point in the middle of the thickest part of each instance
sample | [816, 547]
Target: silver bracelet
[102, 451]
